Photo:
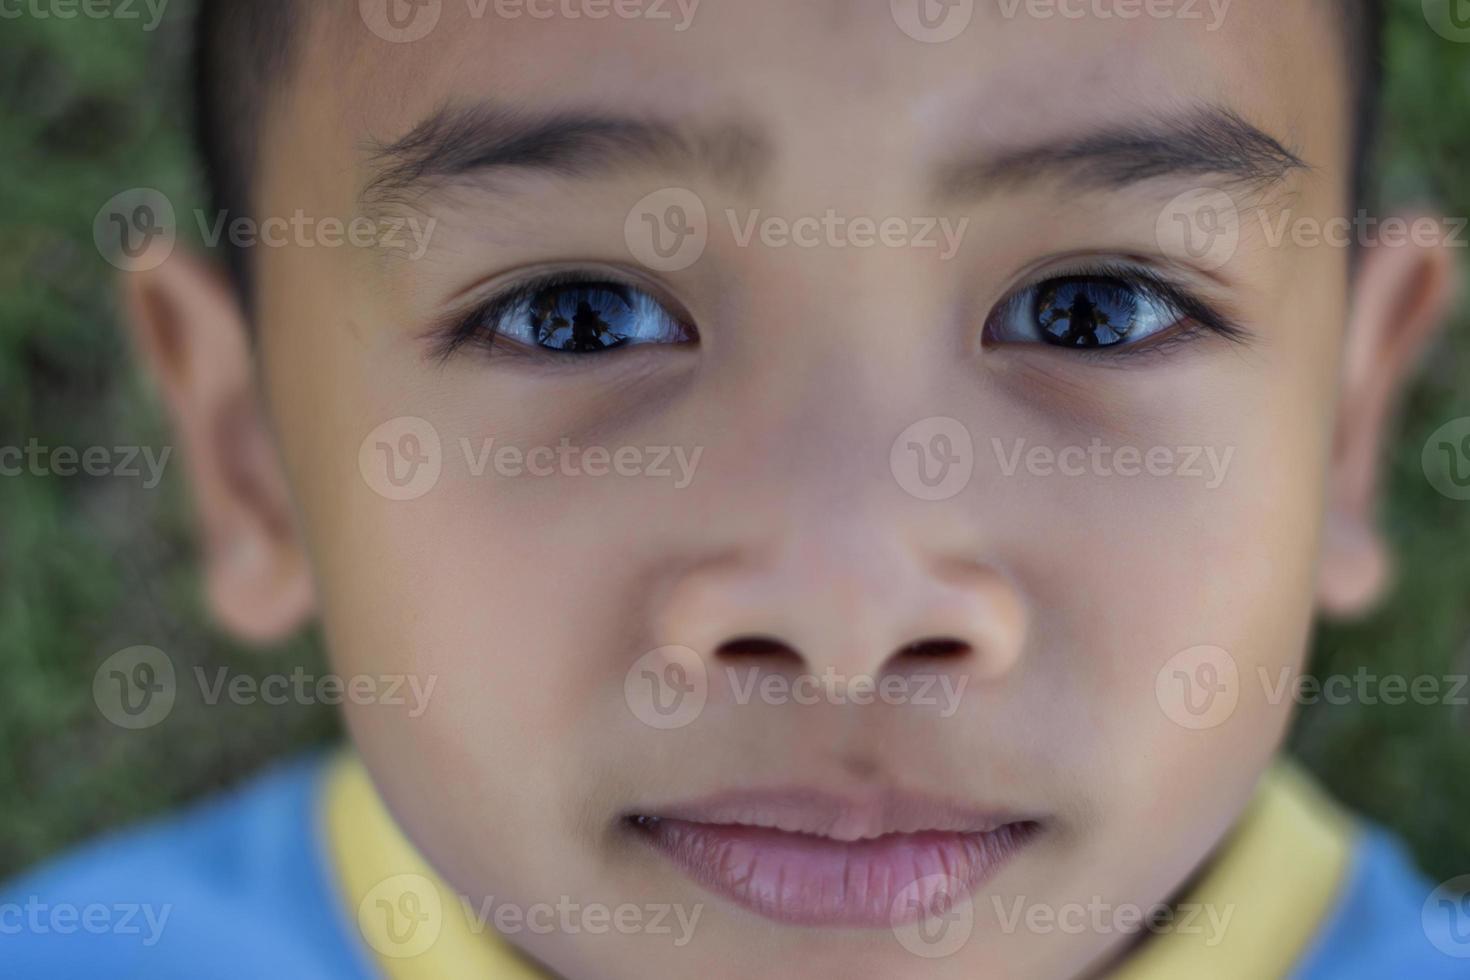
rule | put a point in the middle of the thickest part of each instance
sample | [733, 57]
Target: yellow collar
[1279, 875]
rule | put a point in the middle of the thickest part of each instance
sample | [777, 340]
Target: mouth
[813, 859]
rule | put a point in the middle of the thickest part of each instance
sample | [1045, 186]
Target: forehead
[848, 87]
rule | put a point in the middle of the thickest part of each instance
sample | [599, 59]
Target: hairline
[231, 145]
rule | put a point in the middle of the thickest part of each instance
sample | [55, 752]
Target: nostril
[757, 648]
[935, 648]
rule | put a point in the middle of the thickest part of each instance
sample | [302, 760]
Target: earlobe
[1355, 569]
[193, 339]
[1401, 296]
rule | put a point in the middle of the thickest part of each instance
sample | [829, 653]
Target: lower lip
[807, 880]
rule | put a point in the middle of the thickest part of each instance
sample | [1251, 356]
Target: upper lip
[839, 816]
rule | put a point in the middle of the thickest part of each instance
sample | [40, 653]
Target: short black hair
[1364, 23]
[243, 50]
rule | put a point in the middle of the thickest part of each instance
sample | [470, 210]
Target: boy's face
[1056, 596]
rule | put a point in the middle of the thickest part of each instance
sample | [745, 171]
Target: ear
[193, 338]
[1401, 295]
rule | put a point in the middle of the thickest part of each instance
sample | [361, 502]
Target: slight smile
[810, 858]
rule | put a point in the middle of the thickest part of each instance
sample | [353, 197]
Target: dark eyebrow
[461, 141]
[1211, 141]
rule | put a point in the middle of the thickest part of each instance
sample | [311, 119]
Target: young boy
[844, 472]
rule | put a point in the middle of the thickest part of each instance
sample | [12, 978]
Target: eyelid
[1198, 316]
[473, 322]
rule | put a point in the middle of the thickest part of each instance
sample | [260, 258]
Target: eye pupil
[1086, 312]
[581, 318]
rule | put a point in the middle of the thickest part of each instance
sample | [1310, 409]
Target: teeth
[645, 823]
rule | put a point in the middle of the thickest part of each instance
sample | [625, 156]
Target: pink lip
[813, 859]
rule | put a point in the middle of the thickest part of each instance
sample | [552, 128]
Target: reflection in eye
[564, 313]
[589, 317]
[1085, 311]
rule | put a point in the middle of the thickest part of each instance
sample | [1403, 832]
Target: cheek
[1168, 604]
[1185, 599]
[513, 593]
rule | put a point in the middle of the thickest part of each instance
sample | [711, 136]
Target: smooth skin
[531, 598]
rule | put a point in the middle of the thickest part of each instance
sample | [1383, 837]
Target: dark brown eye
[1083, 312]
[586, 318]
[1086, 312]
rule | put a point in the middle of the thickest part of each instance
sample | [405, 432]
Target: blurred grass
[89, 566]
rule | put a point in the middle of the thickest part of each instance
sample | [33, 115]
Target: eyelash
[478, 326]
[1197, 316]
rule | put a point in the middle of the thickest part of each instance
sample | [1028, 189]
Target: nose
[851, 598]
[813, 554]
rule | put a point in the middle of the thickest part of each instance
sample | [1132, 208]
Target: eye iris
[1086, 312]
[580, 319]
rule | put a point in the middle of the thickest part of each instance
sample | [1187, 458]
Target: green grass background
[89, 566]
